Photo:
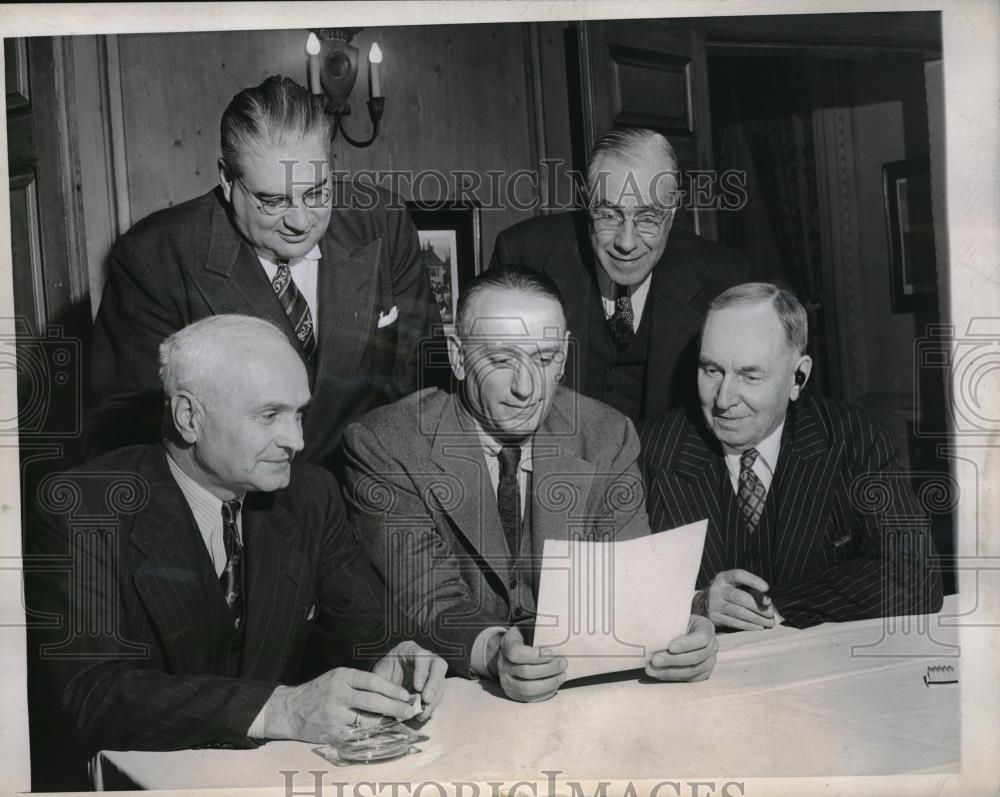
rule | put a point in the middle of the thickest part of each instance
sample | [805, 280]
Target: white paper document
[608, 606]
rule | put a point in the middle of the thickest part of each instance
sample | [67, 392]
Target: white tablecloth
[838, 699]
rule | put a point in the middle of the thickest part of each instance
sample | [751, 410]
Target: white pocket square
[384, 319]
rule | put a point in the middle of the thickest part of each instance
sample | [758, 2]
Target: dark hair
[787, 307]
[515, 278]
[277, 110]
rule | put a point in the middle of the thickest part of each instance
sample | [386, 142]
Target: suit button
[520, 613]
[512, 583]
[234, 646]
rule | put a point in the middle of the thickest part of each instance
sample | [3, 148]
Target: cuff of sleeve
[259, 723]
[479, 665]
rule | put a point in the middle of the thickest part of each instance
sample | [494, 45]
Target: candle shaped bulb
[375, 69]
[313, 48]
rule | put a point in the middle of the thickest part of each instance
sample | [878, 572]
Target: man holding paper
[810, 519]
[454, 495]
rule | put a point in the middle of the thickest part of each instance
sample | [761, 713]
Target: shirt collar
[609, 290]
[767, 451]
[312, 254]
[202, 502]
[491, 446]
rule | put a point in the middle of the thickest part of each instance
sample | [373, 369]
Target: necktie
[752, 493]
[232, 575]
[295, 307]
[620, 325]
[509, 497]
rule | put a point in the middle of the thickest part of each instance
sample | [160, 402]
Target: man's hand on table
[418, 670]
[729, 601]
[688, 658]
[525, 673]
[328, 707]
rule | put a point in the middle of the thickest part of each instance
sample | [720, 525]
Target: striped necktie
[295, 307]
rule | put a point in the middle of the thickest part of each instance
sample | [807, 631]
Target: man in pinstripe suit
[809, 518]
[187, 607]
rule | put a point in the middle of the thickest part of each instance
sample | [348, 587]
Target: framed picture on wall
[910, 226]
[450, 245]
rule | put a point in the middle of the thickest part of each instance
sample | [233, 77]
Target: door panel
[633, 77]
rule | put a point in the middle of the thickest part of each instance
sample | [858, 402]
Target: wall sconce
[333, 69]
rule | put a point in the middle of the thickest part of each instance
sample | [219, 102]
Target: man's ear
[801, 375]
[455, 356]
[225, 182]
[563, 355]
[186, 412]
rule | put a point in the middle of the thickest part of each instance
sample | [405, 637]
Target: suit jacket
[188, 262]
[691, 272]
[134, 658]
[423, 505]
[842, 537]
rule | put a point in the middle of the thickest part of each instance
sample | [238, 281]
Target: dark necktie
[620, 325]
[509, 497]
[752, 493]
[295, 307]
[232, 575]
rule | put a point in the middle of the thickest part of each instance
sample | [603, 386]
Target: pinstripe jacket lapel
[699, 464]
[277, 587]
[176, 581]
[802, 490]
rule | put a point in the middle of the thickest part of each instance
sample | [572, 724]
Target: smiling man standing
[635, 288]
[336, 267]
[809, 518]
[454, 495]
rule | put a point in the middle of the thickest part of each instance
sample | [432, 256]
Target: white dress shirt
[305, 272]
[637, 293]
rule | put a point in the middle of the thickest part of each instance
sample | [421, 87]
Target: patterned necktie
[232, 576]
[509, 498]
[295, 307]
[620, 325]
[752, 493]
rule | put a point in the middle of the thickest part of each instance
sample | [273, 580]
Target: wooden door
[631, 76]
[51, 294]
[52, 323]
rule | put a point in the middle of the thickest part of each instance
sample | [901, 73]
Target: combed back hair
[515, 278]
[787, 307]
[632, 146]
[277, 111]
[191, 358]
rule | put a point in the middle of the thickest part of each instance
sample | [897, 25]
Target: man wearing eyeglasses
[334, 265]
[635, 289]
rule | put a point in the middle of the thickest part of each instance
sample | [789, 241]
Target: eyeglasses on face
[647, 223]
[314, 199]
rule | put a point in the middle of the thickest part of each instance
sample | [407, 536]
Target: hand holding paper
[527, 674]
[687, 658]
